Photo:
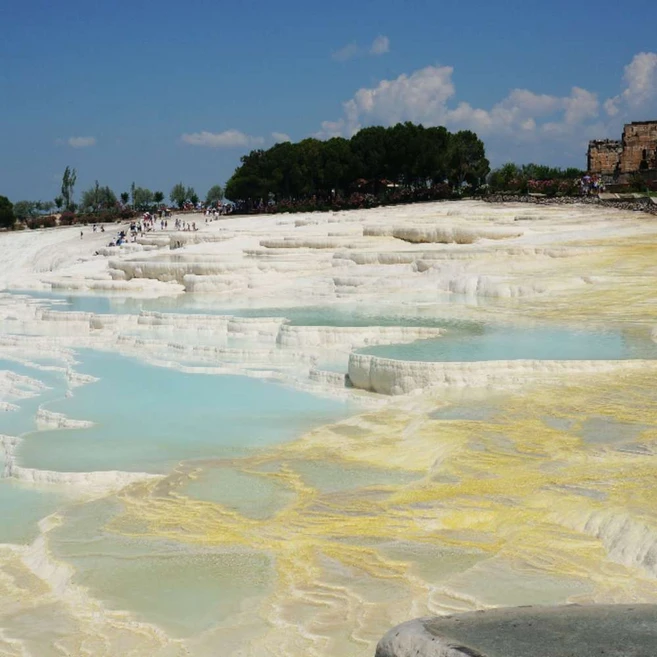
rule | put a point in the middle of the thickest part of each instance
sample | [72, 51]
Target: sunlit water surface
[238, 515]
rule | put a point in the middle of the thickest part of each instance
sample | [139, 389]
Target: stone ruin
[617, 162]
[603, 157]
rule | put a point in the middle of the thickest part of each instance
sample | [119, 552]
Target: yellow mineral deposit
[465, 496]
[537, 501]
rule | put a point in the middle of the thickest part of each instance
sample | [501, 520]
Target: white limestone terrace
[267, 347]
[397, 377]
[300, 259]
[406, 256]
[414, 258]
[391, 252]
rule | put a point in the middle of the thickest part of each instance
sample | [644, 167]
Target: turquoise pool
[147, 418]
[507, 343]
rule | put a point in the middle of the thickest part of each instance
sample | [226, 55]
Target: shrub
[67, 218]
[553, 187]
[41, 222]
[104, 216]
[637, 183]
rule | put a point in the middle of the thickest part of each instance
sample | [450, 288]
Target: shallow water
[22, 507]
[430, 315]
[150, 419]
[22, 420]
[147, 418]
[184, 590]
[508, 343]
[329, 540]
[251, 495]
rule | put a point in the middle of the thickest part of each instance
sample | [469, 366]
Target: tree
[158, 197]
[125, 197]
[178, 195]
[59, 202]
[214, 195]
[25, 210]
[467, 160]
[192, 196]
[68, 183]
[107, 198]
[435, 154]
[370, 149]
[142, 198]
[338, 167]
[89, 199]
[7, 218]
[47, 206]
[508, 177]
[405, 161]
[518, 179]
[133, 187]
[98, 198]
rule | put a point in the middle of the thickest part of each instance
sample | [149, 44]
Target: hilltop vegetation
[405, 156]
[404, 163]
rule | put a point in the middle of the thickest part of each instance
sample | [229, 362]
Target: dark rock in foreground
[567, 631]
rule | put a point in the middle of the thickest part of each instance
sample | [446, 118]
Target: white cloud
[640, 80]
[226, 139]
[331, 129]
[346, 53]
[418, 97]
[580, 106]
[611, 106]
[423, 97]
[81, 142]
[380, 45]
[280, 137]
[526, 120]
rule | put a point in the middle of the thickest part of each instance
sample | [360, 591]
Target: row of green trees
[402, 163]
[406, 155]
[100, 199]
[521, 179]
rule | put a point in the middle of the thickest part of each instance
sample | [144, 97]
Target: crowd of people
[218, 210]
[590, 185]
[159, 220]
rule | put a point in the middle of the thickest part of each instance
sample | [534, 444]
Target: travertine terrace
[495, 261]
[452, 486]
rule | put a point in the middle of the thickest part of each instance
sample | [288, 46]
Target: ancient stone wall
[639, 147]
[604, 156]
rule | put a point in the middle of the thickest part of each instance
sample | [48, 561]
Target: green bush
[41, 222]
[7, 217]
[637, 183]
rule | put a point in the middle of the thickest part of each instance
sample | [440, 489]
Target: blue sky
[158, 93]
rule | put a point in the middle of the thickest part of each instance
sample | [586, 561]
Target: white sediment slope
[397, 377]
[460, 485]
[408, 257]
